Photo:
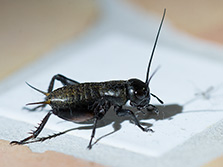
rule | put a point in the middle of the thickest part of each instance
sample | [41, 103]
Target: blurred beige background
[30, 28]
[201, 18]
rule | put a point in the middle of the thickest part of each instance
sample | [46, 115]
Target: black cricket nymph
[81, 102]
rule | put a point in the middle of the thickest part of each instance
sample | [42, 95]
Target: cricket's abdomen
[74, 102]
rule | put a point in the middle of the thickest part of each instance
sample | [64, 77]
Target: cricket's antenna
[154, 47]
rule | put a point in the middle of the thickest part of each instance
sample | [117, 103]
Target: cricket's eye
[141, 93]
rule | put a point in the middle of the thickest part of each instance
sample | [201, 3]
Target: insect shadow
[208, 94]
[165, 112]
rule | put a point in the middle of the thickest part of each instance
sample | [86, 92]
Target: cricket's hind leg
[35, 133]
[64, 80]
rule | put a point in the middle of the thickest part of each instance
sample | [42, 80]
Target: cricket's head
[139, 91]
